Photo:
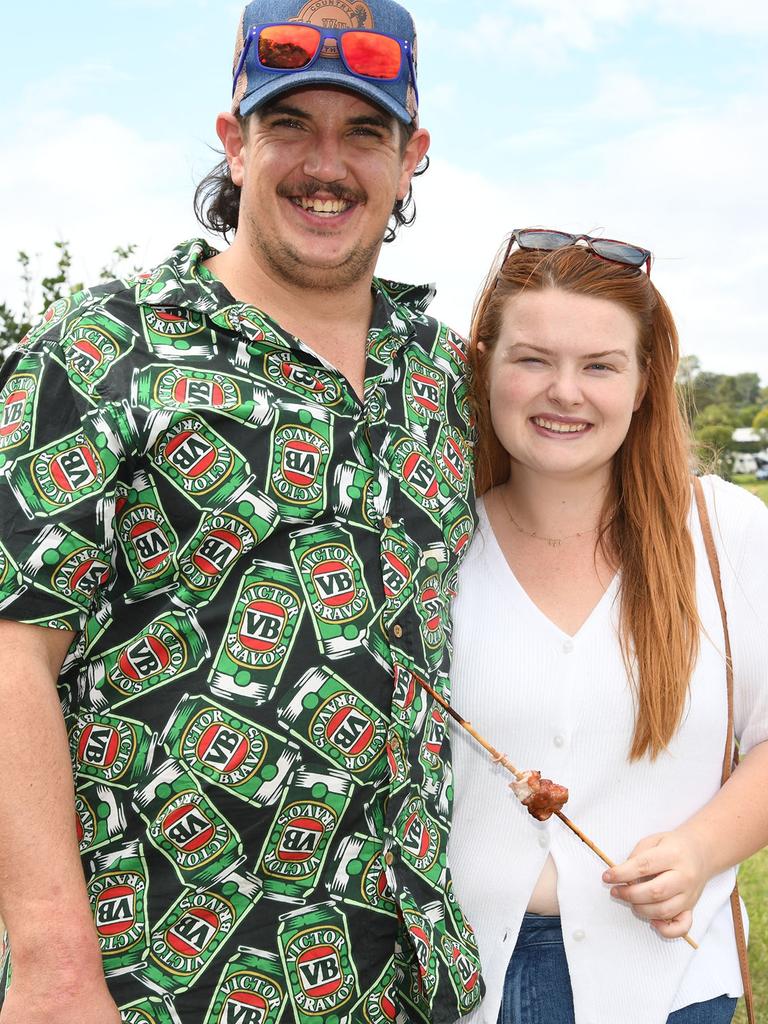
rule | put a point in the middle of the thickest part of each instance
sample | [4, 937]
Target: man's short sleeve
[61, 449]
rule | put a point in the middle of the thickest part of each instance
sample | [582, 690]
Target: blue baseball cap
[256, 85]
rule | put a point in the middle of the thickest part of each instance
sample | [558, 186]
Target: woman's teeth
[558, 427]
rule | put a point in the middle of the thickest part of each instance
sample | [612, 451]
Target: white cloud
[96, 184]
[692, 188]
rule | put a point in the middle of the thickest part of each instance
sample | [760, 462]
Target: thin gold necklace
[554, 542]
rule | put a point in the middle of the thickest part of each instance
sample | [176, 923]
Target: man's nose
[324, 159]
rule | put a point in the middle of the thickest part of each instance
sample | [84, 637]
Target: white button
[578, 935]
[543, 842]
[559, 741]
[567, 646]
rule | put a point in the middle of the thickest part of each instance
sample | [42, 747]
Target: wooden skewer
[502, 759]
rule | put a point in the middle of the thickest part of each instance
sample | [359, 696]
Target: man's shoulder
[409, 303]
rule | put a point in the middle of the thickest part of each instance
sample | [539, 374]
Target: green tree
[760, 424]
[14, 324]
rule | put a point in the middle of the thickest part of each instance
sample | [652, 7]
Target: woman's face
[564, 381]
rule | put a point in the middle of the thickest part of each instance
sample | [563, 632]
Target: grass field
[753, 884]
[753, 877]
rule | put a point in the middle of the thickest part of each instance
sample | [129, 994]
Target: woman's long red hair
[644, 523]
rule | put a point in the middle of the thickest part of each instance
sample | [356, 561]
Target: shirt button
[559, 741]
[388, 522]
[397, 630]
[567, 646]
[543, 842]
[579, 935]
[389, 859]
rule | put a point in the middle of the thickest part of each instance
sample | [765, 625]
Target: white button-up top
[562, 705]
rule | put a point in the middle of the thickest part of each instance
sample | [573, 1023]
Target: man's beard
[291, 265]
[294, 269]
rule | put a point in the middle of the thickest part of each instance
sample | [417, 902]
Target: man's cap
[255, 85]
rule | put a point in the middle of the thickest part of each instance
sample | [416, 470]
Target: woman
[589, 645]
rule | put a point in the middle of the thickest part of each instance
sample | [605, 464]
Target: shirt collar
[183, 282]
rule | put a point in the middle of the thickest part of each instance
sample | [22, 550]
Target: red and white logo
[74, 469]
[144, 658]
[13, 412]
[115, 910]
[319, 970]
[350, 730]
[301, 461]
[420, 474]
[395, 574]
[244, 1008]
[299, 839]
[217, 551]
[192, 391]
[188, 828]
[262, 625]
[334, 582]
[191, 454]
[193, 932]
[222, 748]
[99, 745]
[150, 544]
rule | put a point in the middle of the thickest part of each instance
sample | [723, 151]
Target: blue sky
[643, 120]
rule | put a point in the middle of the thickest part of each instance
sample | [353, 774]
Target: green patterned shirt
[258, 567]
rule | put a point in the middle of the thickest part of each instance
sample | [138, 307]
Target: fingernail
[607, 876]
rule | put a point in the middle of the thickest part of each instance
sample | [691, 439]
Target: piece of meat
[542, 797]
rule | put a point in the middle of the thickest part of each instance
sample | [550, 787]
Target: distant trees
[39, 295]
[718, 403]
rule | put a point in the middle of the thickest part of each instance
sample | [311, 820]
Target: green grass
[758, 487]
[753, 877]
[753, 884]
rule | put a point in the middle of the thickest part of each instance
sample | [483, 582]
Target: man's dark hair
[217, 198]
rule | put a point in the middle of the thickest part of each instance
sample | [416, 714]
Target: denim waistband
[538, 930]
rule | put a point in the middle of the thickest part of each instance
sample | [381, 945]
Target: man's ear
[230, 132]
[414, 152]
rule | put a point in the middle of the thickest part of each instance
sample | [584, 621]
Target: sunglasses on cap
[293, 46]
[606, 248]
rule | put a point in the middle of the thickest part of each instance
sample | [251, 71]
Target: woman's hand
[662, 880]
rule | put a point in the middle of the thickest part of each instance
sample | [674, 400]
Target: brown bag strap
[730, 755]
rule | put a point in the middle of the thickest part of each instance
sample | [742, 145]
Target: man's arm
[58, 976]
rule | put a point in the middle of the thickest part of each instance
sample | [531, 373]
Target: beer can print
[189, 935]
[70, 469]
[299, 457]
[146, 537]
[197, 460]
[335, 720]
[92, 346]
[176, 334]
[259, 635]
[300, 834]
[380, 1004]
[187, 827]
[18, 407]
[117, 890]
[360, 877]
[251, 989]
[315, 951]
[424, 840]
[153, 1010]
[226, 748]
[112, 750]
[99, 817]
[221, 540]
[333, 581]
[171, 646]
[463, 966]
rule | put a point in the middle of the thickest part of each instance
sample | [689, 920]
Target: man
[234, 550]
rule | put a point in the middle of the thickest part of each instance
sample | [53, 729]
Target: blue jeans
[537, 987]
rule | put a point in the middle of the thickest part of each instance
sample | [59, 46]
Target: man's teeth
[560, 428]
[323, 205]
